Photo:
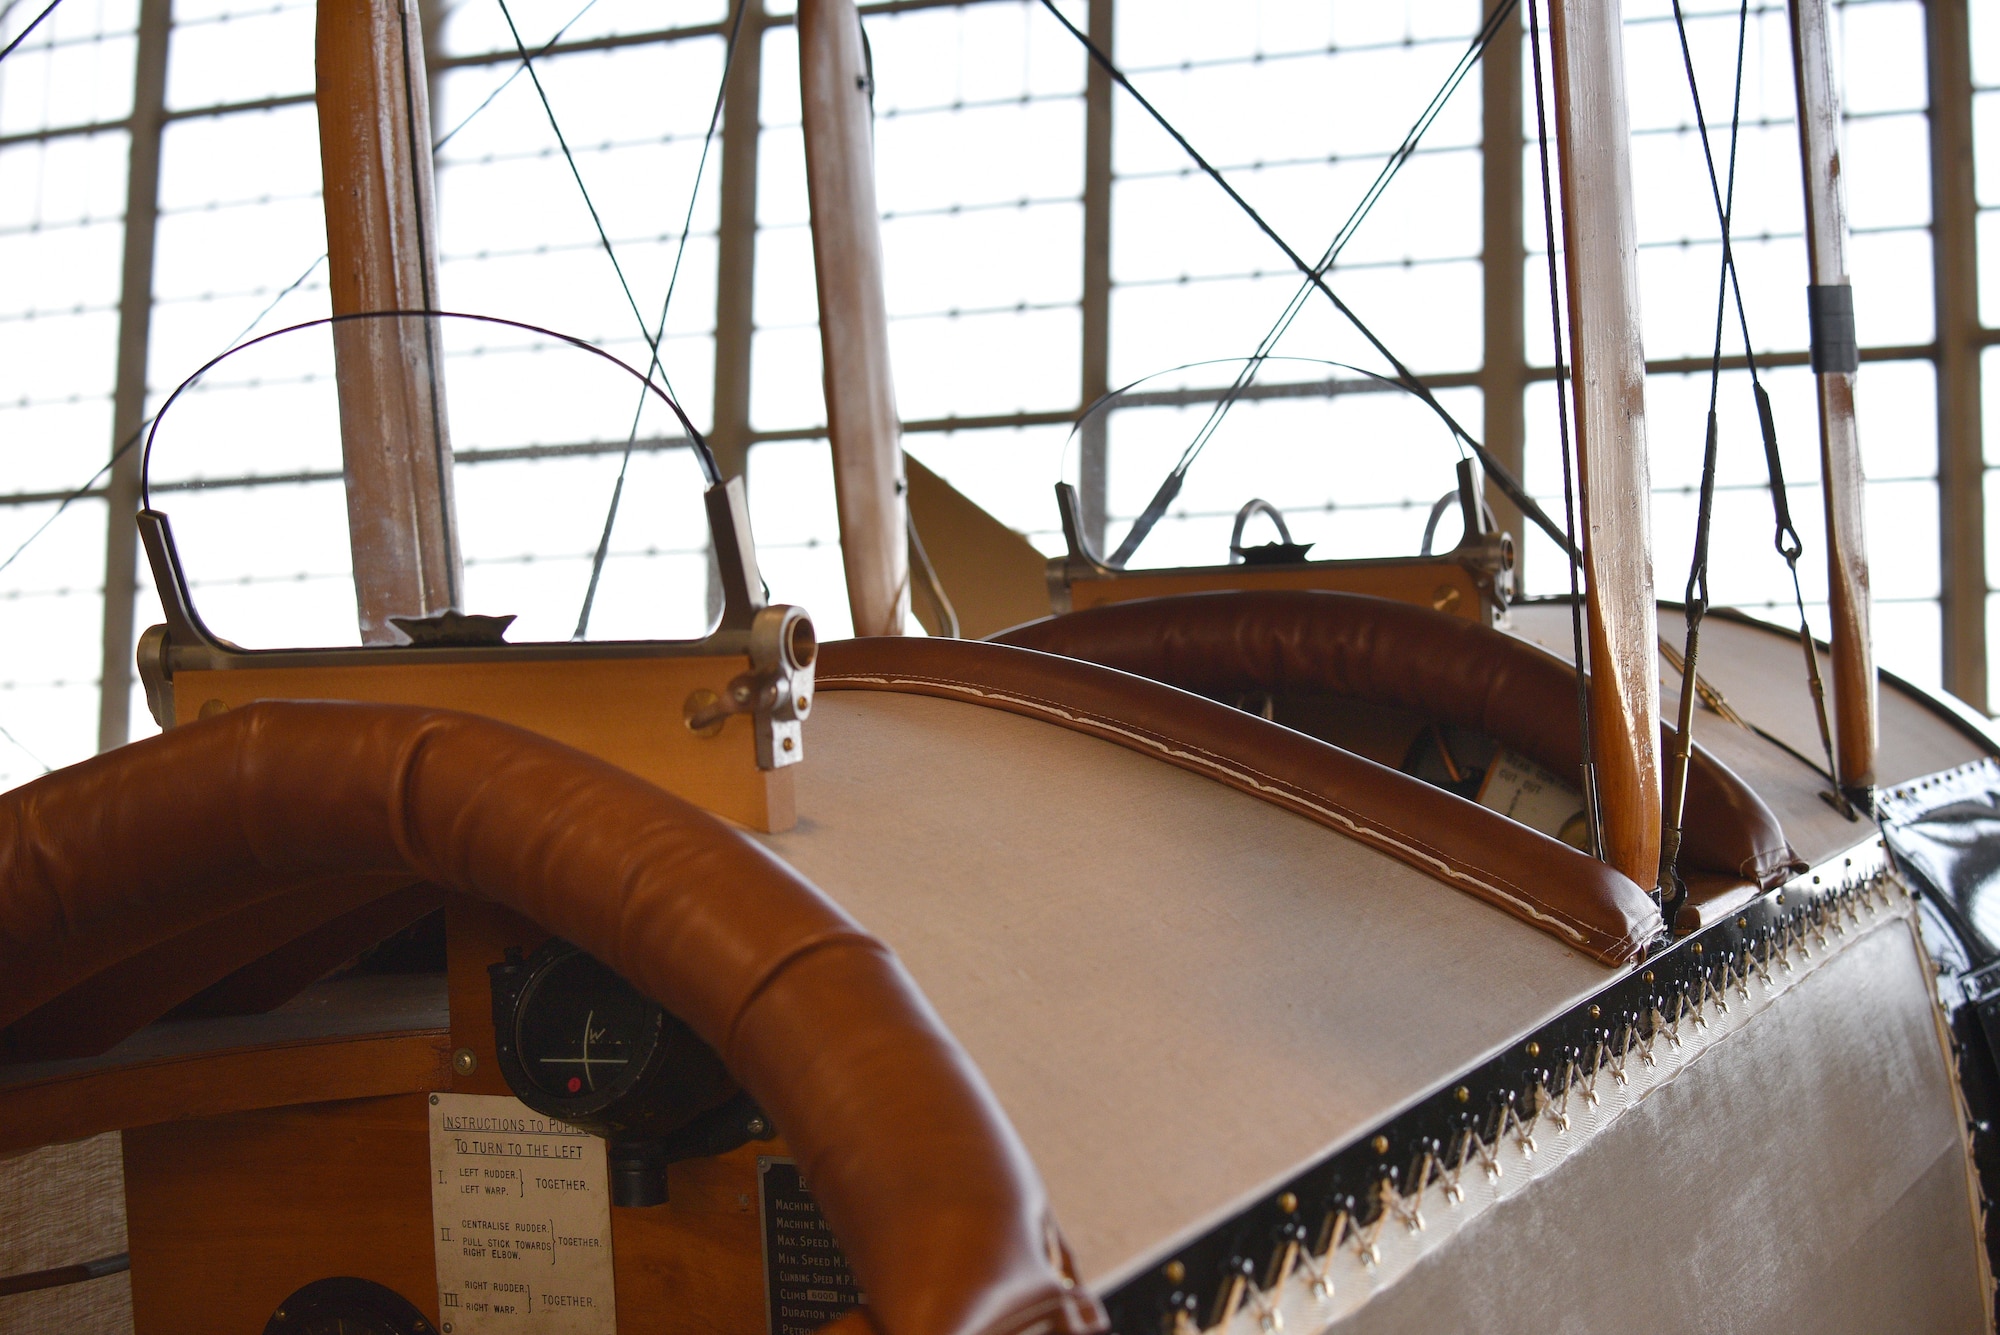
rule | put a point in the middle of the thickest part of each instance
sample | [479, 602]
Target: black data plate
[806, 1279]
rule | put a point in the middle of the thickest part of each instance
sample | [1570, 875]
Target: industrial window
[1004, 254]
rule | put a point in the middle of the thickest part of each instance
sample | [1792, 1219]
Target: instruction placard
[806, 1280]
[521, 1219]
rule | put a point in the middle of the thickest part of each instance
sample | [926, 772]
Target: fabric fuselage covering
[1183, 995]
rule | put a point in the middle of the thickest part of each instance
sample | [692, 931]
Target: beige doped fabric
[1762, 674]
[1180, 993]
[1806, 1174]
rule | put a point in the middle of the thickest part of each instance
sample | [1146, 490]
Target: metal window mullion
[1955, 282]
[128, 401]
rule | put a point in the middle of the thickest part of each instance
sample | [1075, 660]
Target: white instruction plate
[521, 1219]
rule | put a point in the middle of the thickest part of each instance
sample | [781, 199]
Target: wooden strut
[869, 487]
[381, 232]
[1608, 367]
[1839, 443]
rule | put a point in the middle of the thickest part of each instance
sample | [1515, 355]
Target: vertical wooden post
[736, 246]
[1955, 282]
[128, 400]
[1503, 374]
[1834, 358]
[381, 233]
[837, 102]
[1608, 366]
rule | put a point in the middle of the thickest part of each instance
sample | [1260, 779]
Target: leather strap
[1448, 668]
[936, 1203]
[1577, 899]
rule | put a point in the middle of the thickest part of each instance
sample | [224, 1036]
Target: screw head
[1380, 1144]
[1288, 1203]
[755, 1126]
[464, 1061]
[1175, 1272]
[1462, 1094]
[1596, 1011]
[789, 744]
[1533, 1049]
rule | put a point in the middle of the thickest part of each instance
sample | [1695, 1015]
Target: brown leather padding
[935, 1201]
[1221, 644]
[1582, 902]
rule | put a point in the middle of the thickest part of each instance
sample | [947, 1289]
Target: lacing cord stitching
[1470, 1148]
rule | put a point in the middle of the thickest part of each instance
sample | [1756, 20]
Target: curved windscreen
[1351, 463]
[540, 437]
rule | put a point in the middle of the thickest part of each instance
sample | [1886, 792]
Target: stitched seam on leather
[1521, 898]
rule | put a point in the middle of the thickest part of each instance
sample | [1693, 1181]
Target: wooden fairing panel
[229, 1215]
[628, 711]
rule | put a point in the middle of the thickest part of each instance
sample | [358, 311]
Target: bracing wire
[1588, 770]
[127, 445]
[22, 35]
[1498, 472]
[512, 75]
[702, 453]
[1695, 601]
[1402, 154]
[1786, 536]
[660, 331]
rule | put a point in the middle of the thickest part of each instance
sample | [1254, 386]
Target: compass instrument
[580, 1044]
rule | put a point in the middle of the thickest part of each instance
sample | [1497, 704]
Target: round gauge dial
[578, 1043]
[347, 1306]
[580, 1028]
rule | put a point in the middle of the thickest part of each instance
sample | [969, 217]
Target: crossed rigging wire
[1315, 278]
[706, 455]
[1786, 537]
[131, 442]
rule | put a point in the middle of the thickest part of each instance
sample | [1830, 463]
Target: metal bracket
[778, 640]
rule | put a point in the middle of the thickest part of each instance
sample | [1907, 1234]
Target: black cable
[1695, 601]
[660, 333]
[129, 442]
[22, 35]
[1589, 766]
[79, 493]
[512, 75]
[1268, 344]
[702, 452]
[1786, 537]
[1501, 476]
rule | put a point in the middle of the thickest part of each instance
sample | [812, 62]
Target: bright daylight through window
[1046, 242]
